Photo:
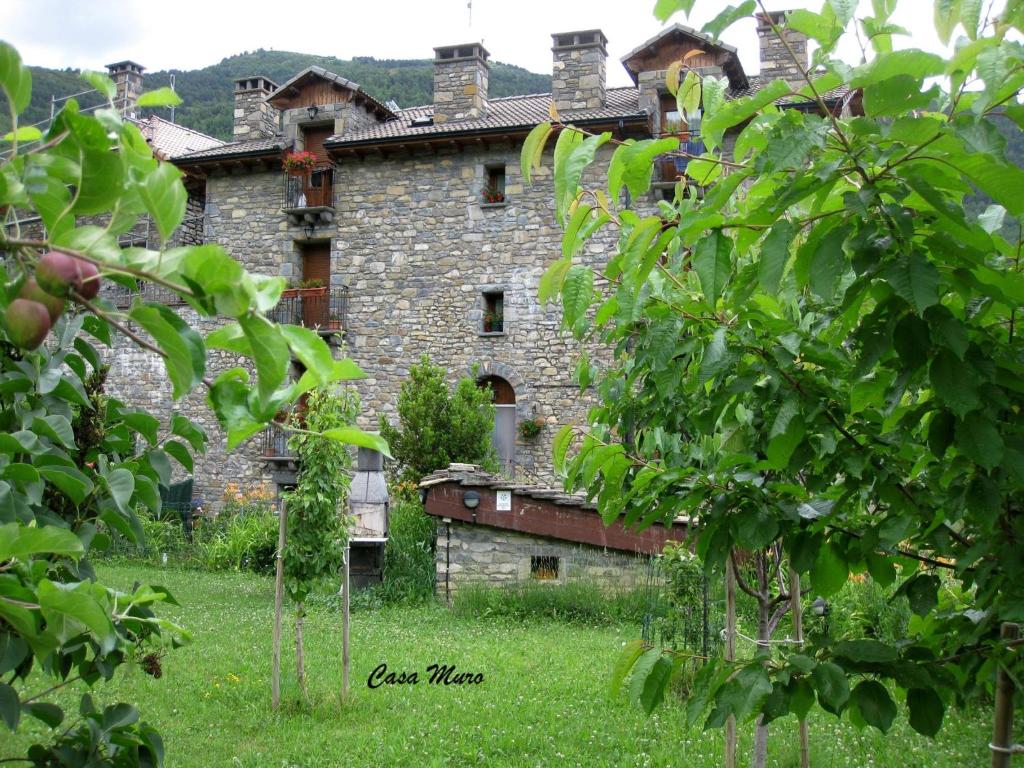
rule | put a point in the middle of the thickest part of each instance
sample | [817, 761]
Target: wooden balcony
[309, 196]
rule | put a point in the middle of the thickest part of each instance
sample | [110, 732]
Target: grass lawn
[542, 702]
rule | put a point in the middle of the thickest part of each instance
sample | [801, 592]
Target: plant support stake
[1002, 731]
[275, 674]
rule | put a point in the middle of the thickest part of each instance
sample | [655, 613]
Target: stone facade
[476, 554]
[460, 82]
[777, 63]
[578, 74]
[254, 117]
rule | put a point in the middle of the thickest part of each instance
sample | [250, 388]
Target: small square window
[544, 567]
[494, 185]
[494, 312]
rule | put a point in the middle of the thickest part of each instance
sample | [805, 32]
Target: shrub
[437, 427]
[579, 602]
[409, 568]
[246, 542]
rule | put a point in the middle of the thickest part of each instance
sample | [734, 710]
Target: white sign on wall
[504, 501]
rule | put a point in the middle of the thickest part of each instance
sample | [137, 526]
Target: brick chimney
[127, 77]
[254, 117]
[578, 75]
[460, 82]
[776, 61]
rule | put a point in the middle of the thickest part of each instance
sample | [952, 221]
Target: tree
[818, 355]
[438, 427]
[75, 465]
[318, 520]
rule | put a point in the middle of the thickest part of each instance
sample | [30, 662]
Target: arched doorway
[504, 399]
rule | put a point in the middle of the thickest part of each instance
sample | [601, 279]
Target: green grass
[542, 703]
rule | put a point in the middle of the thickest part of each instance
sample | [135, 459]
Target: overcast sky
[191, 34]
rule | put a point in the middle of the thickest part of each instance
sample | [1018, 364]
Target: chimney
[254, 117]
[578, 75]
[776, 61]
[127, 77]
[460, 82]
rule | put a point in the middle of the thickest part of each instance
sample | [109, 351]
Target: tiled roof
[507, 112]
[237, 148]
[323, 74]
[474, 476]
[171, 140]
[757, 82]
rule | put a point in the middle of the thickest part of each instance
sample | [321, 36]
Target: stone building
[418, 230]
[495, 532]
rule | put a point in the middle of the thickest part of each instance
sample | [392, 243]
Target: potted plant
[492, 196]
[299, 163]
[493, 322]
[530, 428]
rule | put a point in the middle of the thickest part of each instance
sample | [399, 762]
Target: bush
[577, 602]
[409, 568]
[437, 427]
[246, 542]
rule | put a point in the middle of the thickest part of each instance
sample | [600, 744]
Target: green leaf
[269, 352]
[354, 436]
[926, 711]
[101, 83]
[75, 485]
[144, 423]
[569, 171]
[868, 651]
[740, 110]
[15, 78]
[121, 484]
[75, 601]
[774, 255]
[728, 17]
[159, 97]
[310, 349]
[186, 428]
[45, 712]
[946, 15]
[623, 664]
[10, 707]
[183, 348]
[828, 264]
[831, 685]
[28, 133]
[915, 279]
[688, 96]
[632, 165]
[560, 446]
[922, 593]
[577, 293]
[533, 150]
[978, 439]
[165, 197]
[953, 387]
[663, 9]
[828, 575]
[24, 541]
[875, 704]
[655, 685]
[911, 62]
[712, 261]
[568, 140]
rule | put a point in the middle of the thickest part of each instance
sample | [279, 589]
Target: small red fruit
[30, 290]
[28, 322]
[58, 274]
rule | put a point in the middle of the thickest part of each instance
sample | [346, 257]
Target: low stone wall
[478, 554]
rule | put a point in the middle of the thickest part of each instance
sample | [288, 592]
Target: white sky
[191, 34]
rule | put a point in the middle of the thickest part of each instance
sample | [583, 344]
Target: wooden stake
[300, 652]
[1002, 729]
[798, 635]
[345, 626]
[730, 655]
[275, 674]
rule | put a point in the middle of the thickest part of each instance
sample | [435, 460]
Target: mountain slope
[207, 92]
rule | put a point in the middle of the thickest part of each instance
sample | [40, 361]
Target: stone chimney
[460, 82]
[578, 75]
[254, 117]
[127, 77]
[776, 61]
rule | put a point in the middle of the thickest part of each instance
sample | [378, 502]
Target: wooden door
[316, 265]
[319, 190]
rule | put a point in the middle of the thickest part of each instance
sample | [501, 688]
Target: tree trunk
[798, 637]
[730, 655]
[760, 757]
[275, 672]
[300, 653]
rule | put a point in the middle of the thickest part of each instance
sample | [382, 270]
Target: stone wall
[578, 73]
[777, 63]
[254, 118]
[476, 554]
[460, 82]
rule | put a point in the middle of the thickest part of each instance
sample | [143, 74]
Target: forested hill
[207, 92]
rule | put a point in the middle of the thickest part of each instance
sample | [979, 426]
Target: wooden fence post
[796, 606]
[730, 655]
[275, 673]
[1002, 730]
[345, 624]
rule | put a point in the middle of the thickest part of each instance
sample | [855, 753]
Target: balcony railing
[312, 189]
[274, 444]
[122, 297]
[672, 168]
[324, 309]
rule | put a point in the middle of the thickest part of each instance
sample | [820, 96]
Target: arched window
[504, 399]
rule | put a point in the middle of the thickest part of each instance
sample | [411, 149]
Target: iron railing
[325, 309]
[672, 168]
[312, 189]
[274, 443]
[122, 296]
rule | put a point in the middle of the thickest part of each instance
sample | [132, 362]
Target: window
[494, 185]
[494, 312]
[544, 567]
